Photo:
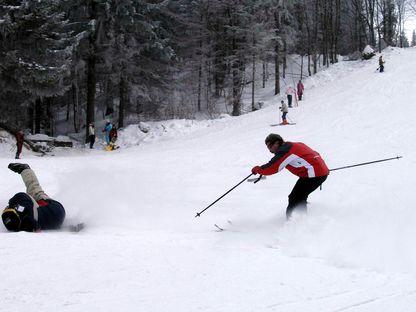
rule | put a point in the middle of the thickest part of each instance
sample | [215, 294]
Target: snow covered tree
[35, 53]
[413, 42]
[140, 49]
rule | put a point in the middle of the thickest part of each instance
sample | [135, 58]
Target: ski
[75, 228]
[221, 228]
[218, 228]
[288, 124]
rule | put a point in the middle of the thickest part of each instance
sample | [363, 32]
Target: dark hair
[273, 138]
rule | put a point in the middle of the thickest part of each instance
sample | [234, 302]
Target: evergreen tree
[35, 53]
[413, 42]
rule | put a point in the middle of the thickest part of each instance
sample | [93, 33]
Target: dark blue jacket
[51, 213]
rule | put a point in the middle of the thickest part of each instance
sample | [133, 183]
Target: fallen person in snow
[300, 160]
[34, 210]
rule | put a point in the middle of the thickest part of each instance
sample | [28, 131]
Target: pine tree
[139, 48]
[413, 42]
[35, 53]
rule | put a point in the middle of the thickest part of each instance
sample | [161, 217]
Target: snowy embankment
[143, 250]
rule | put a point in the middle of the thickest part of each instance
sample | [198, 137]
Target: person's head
[11, 219]
[273, 142]
[18, 215]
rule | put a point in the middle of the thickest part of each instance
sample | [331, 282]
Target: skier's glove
[255, 170]
[18, 168]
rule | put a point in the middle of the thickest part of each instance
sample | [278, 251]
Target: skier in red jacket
[300, 88]
[300, 160]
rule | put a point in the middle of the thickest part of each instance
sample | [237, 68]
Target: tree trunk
[284, 59]
[68, 106]
[253, 76]
[199, 85]
[38, 115]
[301, 67]
[123, 90]
[276, 56]
[49, 117]
[91, 71]
[253, 84]
[75, 105]
[91, 82]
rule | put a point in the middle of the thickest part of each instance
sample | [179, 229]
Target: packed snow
[144, 250]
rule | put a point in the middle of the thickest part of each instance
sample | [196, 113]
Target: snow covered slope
[143, 250]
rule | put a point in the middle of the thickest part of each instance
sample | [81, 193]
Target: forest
[72, 62]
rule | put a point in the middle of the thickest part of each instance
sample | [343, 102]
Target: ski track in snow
[143, 250]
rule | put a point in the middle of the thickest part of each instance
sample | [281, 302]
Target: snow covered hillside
[143, 250]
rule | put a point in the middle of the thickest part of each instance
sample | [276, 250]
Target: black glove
[18, 168]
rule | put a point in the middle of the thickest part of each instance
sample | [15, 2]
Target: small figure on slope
[284, 111]
[20, 137]
[107, 129]
[34, 210]
[113, 138]
[289, 93]
[91, 135]
[300, 160]
[300, 88]
[381, 63]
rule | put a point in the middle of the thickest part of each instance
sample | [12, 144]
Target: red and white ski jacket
[299, 159]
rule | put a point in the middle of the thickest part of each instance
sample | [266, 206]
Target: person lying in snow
[300, 160]
[34, 210]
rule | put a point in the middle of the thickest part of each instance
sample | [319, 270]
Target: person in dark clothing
[91, 135]
[113, 138]
[113, 134]
[300, 160]
[381, 63]
[34, 210]
[19, 143]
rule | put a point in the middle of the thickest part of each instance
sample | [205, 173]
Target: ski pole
[366, 163]
[199, 213]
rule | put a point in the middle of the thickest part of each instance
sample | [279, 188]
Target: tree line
[65, 61]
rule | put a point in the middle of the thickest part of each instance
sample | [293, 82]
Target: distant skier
[300, 160]
[284, 111]
[107, 129]
[34, 210]
[289, 93]
[300, 88]
[91, 135]
[20, 137]
[113, 138]
[381, 63]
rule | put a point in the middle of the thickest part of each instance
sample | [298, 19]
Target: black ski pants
[289, 100]
[92, 141]
[300, 193]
